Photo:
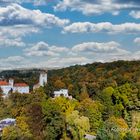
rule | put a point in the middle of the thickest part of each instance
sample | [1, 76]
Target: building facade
[6, 87]
[61, 92]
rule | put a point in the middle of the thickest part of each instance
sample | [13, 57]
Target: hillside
[105, 104]
[96, 76]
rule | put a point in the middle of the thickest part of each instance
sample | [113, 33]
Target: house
[6, 122]
[42, 80]
[63, 92]
[90, 137]
[14, 87]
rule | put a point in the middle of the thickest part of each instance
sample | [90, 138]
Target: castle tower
[11, 82]
[43, 79]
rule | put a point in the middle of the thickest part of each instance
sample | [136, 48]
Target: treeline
[95, 77]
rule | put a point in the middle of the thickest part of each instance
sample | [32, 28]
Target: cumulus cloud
[15, 14]
[111, 48]
[17, 31]
[44, 49]
[11, 36]
[14, 59]
[16, 42]
[86, 52]
[17, 22]
[34, 2]
[83, 27]
[137, 40]
[14, 62]
[88, 7]
[11, 62]
[135, 14]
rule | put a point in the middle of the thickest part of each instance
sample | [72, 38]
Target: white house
[17, 87]
[7, 122]
[63, 92]
[42, 80]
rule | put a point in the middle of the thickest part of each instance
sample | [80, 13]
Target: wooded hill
[106, 103]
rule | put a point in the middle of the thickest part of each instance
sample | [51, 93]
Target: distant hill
[94, 77]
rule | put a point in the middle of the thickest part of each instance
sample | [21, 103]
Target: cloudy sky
[59, 33]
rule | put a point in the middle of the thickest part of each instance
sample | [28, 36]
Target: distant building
[62, 92]
[14, 87]
[90, 137]
[6, 122]
[42, 80]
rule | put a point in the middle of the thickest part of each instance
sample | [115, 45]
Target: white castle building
[14, 87]
[63, 92]
[42, 80]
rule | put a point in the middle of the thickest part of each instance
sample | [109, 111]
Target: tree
[1, 92]
[59, 84]
[77, 125]
[84, 93]
[53, 119]
[35, 120]
[106, 99]
[93, 110]
[108, 132]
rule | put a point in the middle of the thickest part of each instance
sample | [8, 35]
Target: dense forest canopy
[106, 103]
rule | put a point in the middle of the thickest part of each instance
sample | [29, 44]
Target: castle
[6, 87]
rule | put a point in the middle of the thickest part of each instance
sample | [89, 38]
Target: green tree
[53, 119]
[77, 125]
[93, 110]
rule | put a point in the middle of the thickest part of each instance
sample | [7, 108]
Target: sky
[61, 33]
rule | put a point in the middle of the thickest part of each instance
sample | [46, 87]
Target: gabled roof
[3, 83]
[20, 85]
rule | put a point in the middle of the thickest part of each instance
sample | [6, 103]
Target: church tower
[11, 82]
[43, 79]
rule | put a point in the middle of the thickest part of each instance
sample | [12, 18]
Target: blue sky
[60, 33]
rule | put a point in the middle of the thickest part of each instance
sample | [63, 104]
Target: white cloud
[11, 36]
[14, 62]
[43, 49]
[65, 61]
[135, 14]
[17, 22]
[95, 6]
[83, 27]
[14, 59]
[15, 14]
[35, 2]
[137, 40]
[17, 31]
[110, 48]
[16, 42]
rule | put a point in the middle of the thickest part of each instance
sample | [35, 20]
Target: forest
[105, 104]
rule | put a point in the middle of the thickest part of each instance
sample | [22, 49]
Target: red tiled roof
[20, 85]
[3, 83]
